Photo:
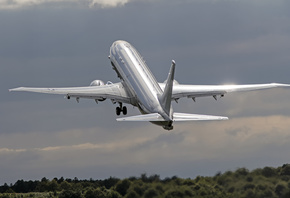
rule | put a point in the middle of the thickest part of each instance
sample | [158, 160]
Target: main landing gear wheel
[124, 110]
[121, 109]
[118, 111]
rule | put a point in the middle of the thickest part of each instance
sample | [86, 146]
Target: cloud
[108, 3]
[131, 151]
[108, 147]
[7, 150]
[239, 137]
[16, 4]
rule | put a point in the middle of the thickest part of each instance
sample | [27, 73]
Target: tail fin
[165, 98]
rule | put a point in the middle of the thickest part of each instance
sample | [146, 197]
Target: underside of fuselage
[167, 125]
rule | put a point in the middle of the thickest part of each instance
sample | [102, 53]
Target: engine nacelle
[98, 83]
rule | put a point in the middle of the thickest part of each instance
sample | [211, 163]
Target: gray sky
[50, 43]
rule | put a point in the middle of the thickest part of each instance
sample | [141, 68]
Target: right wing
[193, 91]
[116, 92]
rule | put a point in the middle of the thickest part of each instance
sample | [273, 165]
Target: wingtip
[15, 89]
[281, 84]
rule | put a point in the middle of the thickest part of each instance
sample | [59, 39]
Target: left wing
[116, 92]
[193, 91]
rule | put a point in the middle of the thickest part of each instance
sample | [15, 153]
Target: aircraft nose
[118, 42]
[117, 45]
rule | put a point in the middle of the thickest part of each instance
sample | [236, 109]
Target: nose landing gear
[121, 109]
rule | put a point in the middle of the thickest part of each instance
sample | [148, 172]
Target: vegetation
[259, 183]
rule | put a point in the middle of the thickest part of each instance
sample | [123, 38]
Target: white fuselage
[139, 80]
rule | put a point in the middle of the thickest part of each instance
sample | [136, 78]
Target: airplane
[139, 88]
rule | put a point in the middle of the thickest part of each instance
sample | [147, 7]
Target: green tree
[123, 186]
[9, 190]
[70, 194]
[113, 194]
[242, 171]
[4, 188]
[42, 185]
[159, 188]
[280, 190]
[65, 185]
[175, 193]
[90, 194]
[108, 183]
[138, 189]
[150, 193]
[132, 194]
[52, 185]
[97, 193]
[268, 172]
[285, 169]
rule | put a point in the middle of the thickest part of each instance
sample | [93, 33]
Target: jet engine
[98, 83]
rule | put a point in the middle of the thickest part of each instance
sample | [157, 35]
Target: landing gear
[118, 111]
[124, 110]
[121, 109]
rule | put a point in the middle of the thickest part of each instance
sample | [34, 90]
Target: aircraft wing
[193, 91]
[116, 92]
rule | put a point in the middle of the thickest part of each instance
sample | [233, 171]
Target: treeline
[259, 183]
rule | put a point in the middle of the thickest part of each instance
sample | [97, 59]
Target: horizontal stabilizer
[195, 117]
[153, 117]
[146, 117]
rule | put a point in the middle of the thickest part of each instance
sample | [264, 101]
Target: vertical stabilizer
[165, 99]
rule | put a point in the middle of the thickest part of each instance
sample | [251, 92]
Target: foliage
[259, 183]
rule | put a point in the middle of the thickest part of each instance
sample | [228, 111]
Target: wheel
[118, 110]
[124, 110]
